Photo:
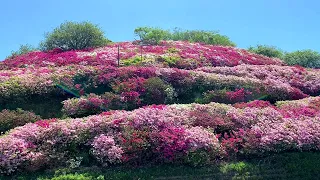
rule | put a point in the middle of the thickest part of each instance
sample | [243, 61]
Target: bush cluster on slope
[10, 119]
[305, 58]
[150, 35]
[23, 49]
[270, 51]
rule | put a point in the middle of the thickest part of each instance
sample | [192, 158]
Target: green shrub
[74, 36]
[305, 58]
[207, 37]
[132, 61]
[23, 49]
[150, 35]
[269, 51]
[10, 119]
[213, 96]
[169, 60]
[157, 91]
[241, 170]
[76, 177]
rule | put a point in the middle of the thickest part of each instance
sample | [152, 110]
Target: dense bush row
[306, 58]
[187, 55]
[304, 79]
[191, 133]
[132, 87]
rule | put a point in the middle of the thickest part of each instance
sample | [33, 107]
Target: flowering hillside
[177, 102]
[176, 53]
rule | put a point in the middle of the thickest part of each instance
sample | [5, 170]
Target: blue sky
[288, 24]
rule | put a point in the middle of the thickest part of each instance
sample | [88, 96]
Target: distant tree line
[306, 58]
[150, 35]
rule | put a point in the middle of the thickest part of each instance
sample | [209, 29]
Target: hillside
[175, 103]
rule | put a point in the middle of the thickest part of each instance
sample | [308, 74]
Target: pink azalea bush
[162, 133]
[105, 149]
[306, 80]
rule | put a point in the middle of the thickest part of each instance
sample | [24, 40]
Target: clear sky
[288, 24]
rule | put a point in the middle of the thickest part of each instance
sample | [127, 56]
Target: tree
[305, 58]
[23, 49]
[74, 36]
[150, 35]
[207, 37]
[269, 51]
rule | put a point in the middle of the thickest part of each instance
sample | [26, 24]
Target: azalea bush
[296, 76]
[160, 133]
[10, 119]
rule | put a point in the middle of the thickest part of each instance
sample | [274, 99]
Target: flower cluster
[105, 149]
[306, 80]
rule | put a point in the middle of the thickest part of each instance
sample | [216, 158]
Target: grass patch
[295, 165]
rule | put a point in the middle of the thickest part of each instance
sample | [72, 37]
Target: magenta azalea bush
[210, 55]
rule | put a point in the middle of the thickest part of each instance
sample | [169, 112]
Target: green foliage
[23, 49]
[198, 158]
[241, 169]
[132, 61]
[75, 177]
[172, 50]
[150, 35]
[207, 37]
[10, 119]
[305, 58]
[213, 96]
[269, 51]
[170, 60]
[157, 91]
[74, 36]
[294, 165]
